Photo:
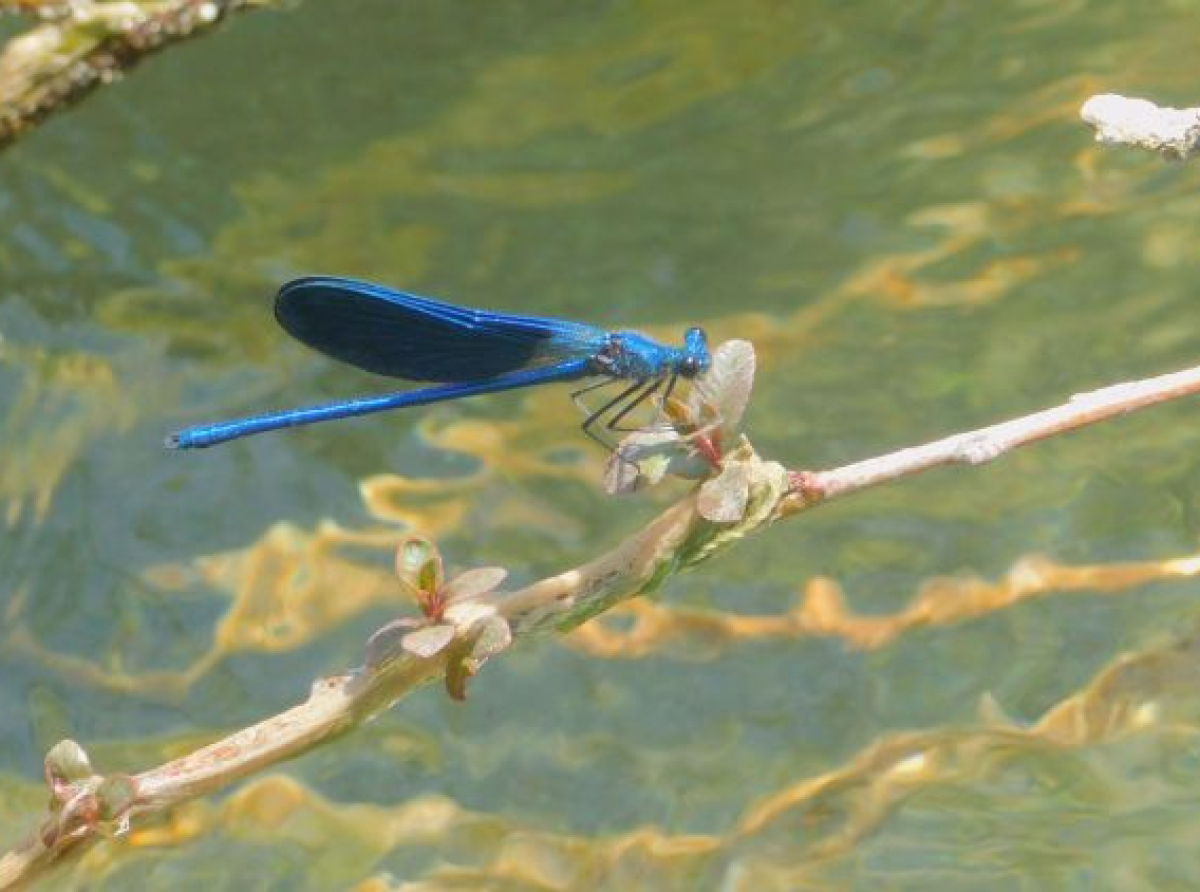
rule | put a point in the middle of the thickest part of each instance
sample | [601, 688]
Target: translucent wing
[405, 336]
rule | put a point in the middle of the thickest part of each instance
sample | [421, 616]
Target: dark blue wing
[405, 336]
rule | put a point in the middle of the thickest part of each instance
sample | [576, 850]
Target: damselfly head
[696, 358]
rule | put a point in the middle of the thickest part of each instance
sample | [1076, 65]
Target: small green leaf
[68, 762]
[115, 795]
[429, 577]
[726, 388]
[457, 673]
[723, 499]
[645, 457]
[419, 566]
[429, 641]
[473, 583]
[494, 637]
[412, 553]
[466, 613]
[386, 643]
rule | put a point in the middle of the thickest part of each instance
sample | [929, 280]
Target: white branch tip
[1121, 120]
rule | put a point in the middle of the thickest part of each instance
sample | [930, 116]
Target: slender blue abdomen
[224, 431]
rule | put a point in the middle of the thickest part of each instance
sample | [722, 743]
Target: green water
[900, 195]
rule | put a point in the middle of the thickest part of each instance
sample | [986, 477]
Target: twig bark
[989, 443]
[679, 538]
[84, 44]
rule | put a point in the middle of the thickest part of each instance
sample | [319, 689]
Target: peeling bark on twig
[83, 44]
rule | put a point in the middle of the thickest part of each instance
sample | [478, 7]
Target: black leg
[576, 395]
[667, 393]
[625, 394]
[634, 402]
[670, 387]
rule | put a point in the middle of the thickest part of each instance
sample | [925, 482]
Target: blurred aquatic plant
[644, 628]
[804, 833]
[55, 398]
